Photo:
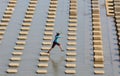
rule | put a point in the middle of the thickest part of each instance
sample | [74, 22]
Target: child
[55, 42]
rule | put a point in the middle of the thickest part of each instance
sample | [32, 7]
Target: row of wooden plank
[44, 57]
[71, 48]
[117, 21]
[6, 17]
[20, 44]
[97, 39]
[110, 7]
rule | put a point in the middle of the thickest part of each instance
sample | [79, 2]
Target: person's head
[57, 34]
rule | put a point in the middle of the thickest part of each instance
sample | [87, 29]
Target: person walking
[55, 42]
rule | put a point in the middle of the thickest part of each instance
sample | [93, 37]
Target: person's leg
[60, 46]
[49, 50]
[53, 45]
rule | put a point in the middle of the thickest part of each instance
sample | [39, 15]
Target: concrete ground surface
[56, 64]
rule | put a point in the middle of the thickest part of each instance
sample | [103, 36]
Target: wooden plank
[44, 59]
[23, 33]
[46, 43]
[26, 24]
[72, 38]
[70, 65]
[45, 48]
[3, 23]
[2, 32]
[99, 71]
[19, 47]
[71, 43]
[71, 48]
[70, 71]
[15, 59]
[22, 37]
[71, 54]
[98, 59]
[47, 38]
[20, 43]
[13, 71]
[98, 65]
[41, 71]
[44, 54]
[70, 59]
[12, 64]
[17, 53]
[43, 65]
[25, 28]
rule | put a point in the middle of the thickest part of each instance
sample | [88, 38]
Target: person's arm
[59, 36]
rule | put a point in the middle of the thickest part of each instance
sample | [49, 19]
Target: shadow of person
[56, 64]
